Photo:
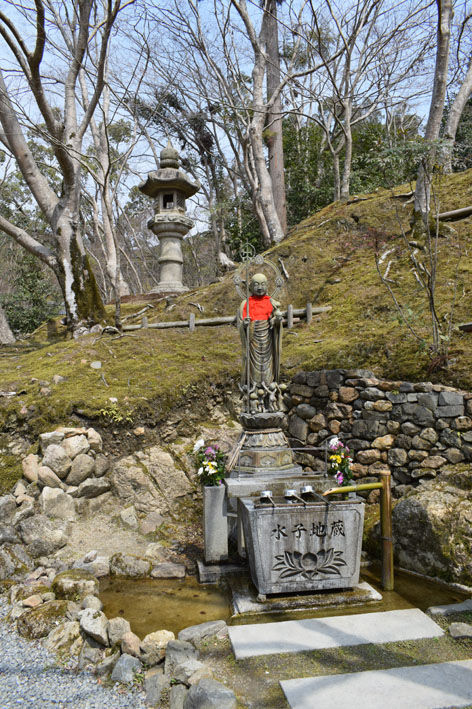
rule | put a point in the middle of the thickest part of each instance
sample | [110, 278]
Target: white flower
[333, 443]
[199, 444]
[200, 471]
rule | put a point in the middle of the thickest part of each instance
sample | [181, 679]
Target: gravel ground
[29, 677]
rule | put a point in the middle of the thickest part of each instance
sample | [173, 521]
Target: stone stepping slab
[442, 685]
[321, 633]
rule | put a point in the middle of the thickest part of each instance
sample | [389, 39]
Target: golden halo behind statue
[258, 264]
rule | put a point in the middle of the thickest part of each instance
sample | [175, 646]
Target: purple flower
[339, 478]
[210, 451]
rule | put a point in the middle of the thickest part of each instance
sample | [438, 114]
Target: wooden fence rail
[291, 315]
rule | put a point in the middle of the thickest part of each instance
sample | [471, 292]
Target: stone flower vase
[215, 526]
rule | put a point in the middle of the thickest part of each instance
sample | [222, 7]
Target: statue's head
[258, 284]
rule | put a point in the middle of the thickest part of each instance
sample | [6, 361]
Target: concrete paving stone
[321, 633]
[446, 684]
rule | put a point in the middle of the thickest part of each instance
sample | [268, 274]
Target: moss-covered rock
[129, 565]
[38, 622]
[65, 639]
[433, 527]
[74, 585]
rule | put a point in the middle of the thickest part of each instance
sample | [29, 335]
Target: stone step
[442, 685]
[321, 633]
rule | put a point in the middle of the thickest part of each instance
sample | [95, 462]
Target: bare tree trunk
[455, 113]
[346, 177]
[274, 137]
[6, 335]
[423, 182]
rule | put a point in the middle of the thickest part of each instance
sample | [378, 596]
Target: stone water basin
[151, 605]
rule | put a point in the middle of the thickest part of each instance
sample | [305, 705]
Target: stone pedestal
[265, 452]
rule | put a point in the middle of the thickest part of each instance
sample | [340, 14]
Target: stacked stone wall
[414, 429]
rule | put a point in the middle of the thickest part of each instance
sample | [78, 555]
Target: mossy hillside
[330, 259]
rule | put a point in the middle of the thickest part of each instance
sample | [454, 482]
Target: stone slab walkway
[447, 684]
[320, 633]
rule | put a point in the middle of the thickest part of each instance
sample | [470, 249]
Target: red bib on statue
[260, 307]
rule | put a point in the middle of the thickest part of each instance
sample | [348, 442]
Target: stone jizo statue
[260, 330]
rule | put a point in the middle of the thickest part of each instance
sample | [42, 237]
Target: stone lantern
[169, 187]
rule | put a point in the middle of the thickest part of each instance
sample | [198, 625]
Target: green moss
[10, 472]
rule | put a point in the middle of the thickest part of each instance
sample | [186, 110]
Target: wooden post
[386, 531]
[309, 313]
[289, 317]
[144, 322]
[191, 322]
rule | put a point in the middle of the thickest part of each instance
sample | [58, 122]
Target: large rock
[117, 627]
[75, 445]
[93, 487]
[7, 508]
[178, 651]
[95, 440]
[74, 585]
[126, 669]
[56, 503]
[42, 535]
[168, 570]
[38, 622]
[46, 439]
[433, 528]
[94, 623]
[82, 467]
[153, 646]
[196, 633]
[129, 565]
[65, 639]
[149, 480]
[48, 478]
[57, 459]
[30, 466]
[210, 694]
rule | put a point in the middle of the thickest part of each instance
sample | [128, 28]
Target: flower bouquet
[210, 462]
[340, 462]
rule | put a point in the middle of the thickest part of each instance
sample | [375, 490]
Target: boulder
[7, 508]
[30, 466]
[460, 630]
[48, 478]
[95, 440]
[178, 651]
[46, 439]
[42, 535]
[38, 622]
[94, 623]
[107, 664]
[133, 486]
[8, 534]
[56, 503]
[75, 445]
[153, 646]
[92, 602]
[154, 683]
[177, 695]
[196, 633]
[93, 487]
[433, 528]
[150, 523]
[187, 669]
[57, 459]
[117, 627]
[99, 567]
[168, 570]
[126, 669]
[82, 467]
[65, 639]
[74, 585]
[131, 644]
[32, 601]
[101, 465]
[210, 694]
[129, 518]
[129, 565]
